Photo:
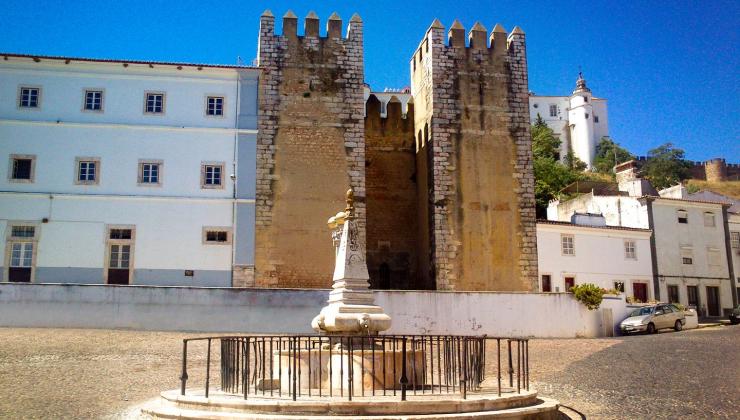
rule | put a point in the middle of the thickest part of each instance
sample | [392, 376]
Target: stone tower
[476, 182]
[715, 170]
[392, 222]
[310, 146]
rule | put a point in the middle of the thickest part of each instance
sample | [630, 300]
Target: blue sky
[669, 69]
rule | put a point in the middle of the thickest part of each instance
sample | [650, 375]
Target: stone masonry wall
[473, 101]
[310, 146]
[391, 197]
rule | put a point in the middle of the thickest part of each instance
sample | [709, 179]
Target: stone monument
[351, 309]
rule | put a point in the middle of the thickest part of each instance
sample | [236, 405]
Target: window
[630, 250]
[619, 286]
[29, 97]
[735, 239]
[687, 260]
[22, 168]
[570, 282]
[212, 175]
[150, 172]
[87, 171]
[683, 216]
[154, 103]
[709, 220]
[713, 257]
[120, 255]
[596, 119]
[546, 283]
[585, 99]
[215, 106]
[120, 233]
[216, 236]
[567, 245]
[553, 110]
[23, 231]
[672, 293]
[93, 100]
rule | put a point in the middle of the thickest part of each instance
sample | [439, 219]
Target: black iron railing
[348, 366]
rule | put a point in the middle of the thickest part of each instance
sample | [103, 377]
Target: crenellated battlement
[478, 40]
[311, 26]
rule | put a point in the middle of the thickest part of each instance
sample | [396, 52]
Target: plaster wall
[599, 258]
[290, 310]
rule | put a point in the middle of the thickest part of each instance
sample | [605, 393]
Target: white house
[126, 172]
[690, 243]
[610, 257]
[579, 120]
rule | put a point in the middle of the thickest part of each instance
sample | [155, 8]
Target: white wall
[168, 232]
[599, 256]
[291, 310]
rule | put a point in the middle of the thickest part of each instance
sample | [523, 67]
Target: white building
[610, 257]
[690, 243]
[579, 120]
[126, 172]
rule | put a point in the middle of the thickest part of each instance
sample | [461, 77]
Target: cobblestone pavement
[66, 373]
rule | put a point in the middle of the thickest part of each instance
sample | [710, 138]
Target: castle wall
[390, 172]
[310, 147]
[474, 103]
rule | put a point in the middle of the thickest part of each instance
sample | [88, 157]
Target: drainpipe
[235, 179]
[728, 250]
[653, 251]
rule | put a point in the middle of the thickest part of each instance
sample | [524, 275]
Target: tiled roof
[108, 60]
[553, 222]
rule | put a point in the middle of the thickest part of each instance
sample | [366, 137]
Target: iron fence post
[184, 372]
[404, 379]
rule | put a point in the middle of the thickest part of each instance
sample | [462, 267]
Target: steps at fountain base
[526, 405]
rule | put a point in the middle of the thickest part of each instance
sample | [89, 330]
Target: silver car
[653, 318]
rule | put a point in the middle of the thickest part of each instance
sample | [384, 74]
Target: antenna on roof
[239, 60]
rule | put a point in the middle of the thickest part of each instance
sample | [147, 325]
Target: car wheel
[651, 328]
[678, 326]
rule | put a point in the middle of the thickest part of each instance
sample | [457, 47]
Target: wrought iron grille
[296, 366]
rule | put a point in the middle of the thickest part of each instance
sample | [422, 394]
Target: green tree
[550, 175]
[609, 154]
[544, 142]
[573, 163]
[666, 166]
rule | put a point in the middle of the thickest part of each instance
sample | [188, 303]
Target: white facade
[690, 254]
[165, 177]
[609, 257]
[734, 226]
[580, 120]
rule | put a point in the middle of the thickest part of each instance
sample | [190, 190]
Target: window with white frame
[630, 250]
[29, 97]
[21, 244]
[709, 220]
[150, 172]
[215, 106]
[567, 245]
[154, 103]
[553, 110]
[212, 175]
[735, 239]
[713, 257]
[683, 216]
[687, 256]
[87, 170]
[93, 100]
[216, 235]
[22, 168]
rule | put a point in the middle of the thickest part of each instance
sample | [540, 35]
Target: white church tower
[580, 120]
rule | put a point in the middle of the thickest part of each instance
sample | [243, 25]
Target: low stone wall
[290, 310]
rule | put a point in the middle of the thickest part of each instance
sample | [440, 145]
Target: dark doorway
[570, 283]
[384, 276]
[639, 292]
[21, 262]
[673, 294]
[692, 292]
[118, 268]
[713, 301]
[546, 286]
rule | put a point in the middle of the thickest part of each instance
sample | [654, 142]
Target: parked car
[653, 318]
[735, 315]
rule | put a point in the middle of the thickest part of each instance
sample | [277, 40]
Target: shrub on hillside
[588, 294]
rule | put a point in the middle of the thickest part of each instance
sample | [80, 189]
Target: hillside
[729, 188]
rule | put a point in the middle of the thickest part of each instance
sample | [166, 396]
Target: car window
[659, 309]
[675, 308]
[667, 309]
